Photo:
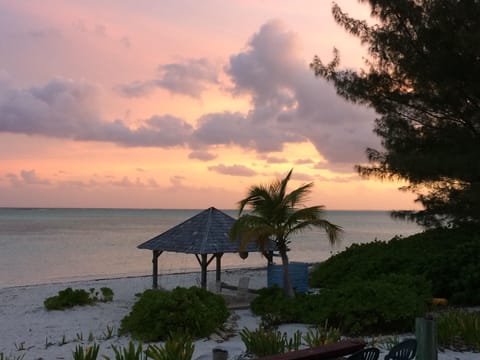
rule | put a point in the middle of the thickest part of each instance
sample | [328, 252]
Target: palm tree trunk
[287, 285]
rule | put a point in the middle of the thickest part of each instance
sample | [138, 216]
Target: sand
[26, 327]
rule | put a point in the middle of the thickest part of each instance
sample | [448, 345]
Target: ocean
[57, 245]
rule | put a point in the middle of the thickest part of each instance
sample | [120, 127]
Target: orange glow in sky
[163, 104]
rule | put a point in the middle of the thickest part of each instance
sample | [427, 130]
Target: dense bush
[69, 298]
[195, 311]
[388, 303]
[448, 258]
[275, 308]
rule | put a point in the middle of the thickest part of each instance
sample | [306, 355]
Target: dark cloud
[137, 88]
[274, 160]
[125, 41]
[234, 170]
[302, 177]
[65, 109]
[290, 104]
[189, 78]
[237, 129]
[26, 177]
[202, 155]
[343, 167]
[100, 30]
[44, 33]
[177, 180]
[303, 161]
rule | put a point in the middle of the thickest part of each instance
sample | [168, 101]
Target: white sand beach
[26, 327]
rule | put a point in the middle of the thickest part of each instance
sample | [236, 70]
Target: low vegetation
[156, 313]
[459, 330]
[447, 258]
[268, 341]
[89, 353]
[381, 287]
[130, 352]
[263, 342]
[3, 356]
[177, 346]
[69, 298]
[387, 304]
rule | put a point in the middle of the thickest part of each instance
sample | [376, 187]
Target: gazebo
[206, 235]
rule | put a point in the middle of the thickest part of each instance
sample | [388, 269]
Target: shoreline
[93, 278]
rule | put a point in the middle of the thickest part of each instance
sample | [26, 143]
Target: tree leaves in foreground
[422, 78]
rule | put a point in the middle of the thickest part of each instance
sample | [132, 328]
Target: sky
[179, 104]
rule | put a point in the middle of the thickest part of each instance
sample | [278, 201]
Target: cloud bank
[288, 105]
[190, 78]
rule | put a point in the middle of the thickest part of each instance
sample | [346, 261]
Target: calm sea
[54, 245]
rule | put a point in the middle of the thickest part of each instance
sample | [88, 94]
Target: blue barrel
[298, 276]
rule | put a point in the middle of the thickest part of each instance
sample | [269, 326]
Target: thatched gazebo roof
[206, 233]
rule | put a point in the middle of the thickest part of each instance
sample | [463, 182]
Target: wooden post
[219, 267]
[426, 334]
[204, 271]
[156, 254]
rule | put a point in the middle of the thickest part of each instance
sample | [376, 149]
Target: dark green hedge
[388, 303]
[448, 258]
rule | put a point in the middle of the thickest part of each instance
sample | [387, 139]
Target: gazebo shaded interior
[205, 235]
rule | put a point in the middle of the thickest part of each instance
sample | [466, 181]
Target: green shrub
[321, 335]
[90, 352]
[11, 357]
[156, 313]
[107, 294]
[274, 307]
[128, 353]
[456, 275]
[69, 298]
[459, 330]
[445, 257]
[263, 342]
[177, 347]
[388, 303]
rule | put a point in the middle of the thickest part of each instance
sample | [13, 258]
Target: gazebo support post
[204, 271]
[156, 254]
[203, 265]
[218, 256]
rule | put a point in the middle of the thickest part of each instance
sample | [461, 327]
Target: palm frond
[256, 196]
[251, 228]
[298, 195]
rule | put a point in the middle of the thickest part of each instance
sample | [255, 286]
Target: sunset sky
[178, 104]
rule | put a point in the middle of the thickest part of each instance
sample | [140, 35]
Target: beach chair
[365, 354]
[405, 350]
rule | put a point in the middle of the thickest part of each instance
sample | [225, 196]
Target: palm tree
[276, 215]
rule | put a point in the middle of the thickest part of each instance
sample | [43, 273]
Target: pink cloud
[234, 170]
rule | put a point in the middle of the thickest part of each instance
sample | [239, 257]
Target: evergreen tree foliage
[423, 80]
